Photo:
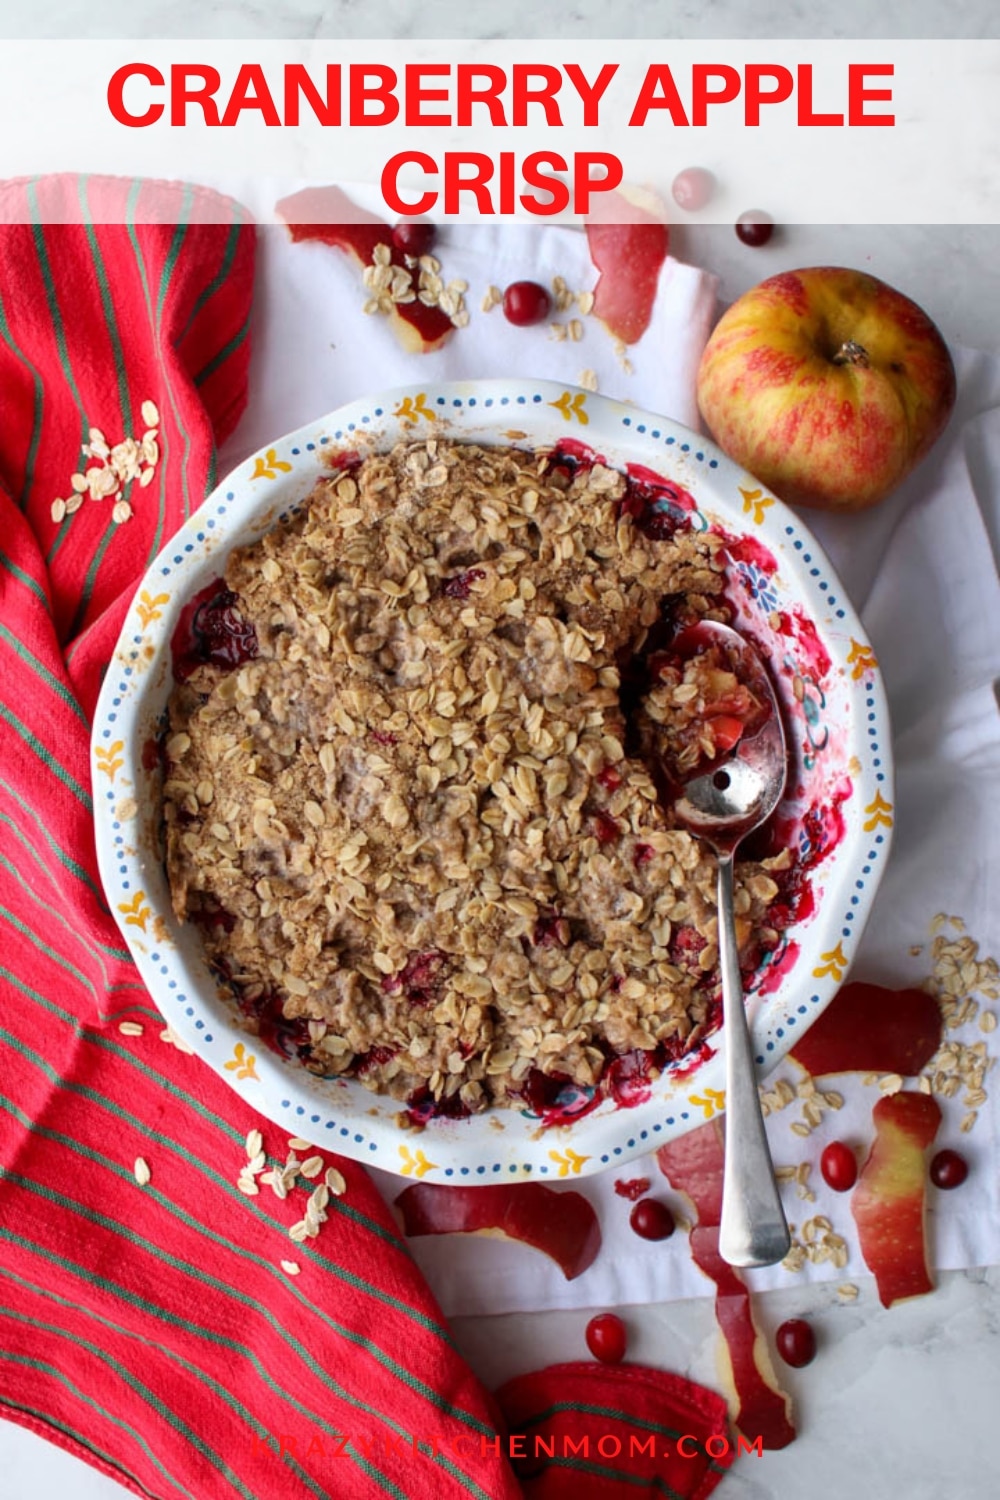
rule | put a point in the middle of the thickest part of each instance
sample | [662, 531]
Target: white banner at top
[892, 131]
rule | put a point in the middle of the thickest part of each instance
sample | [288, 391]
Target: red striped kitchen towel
[150, 1326]
[153, 1329]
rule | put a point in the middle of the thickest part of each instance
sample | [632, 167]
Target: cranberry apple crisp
[406, 797]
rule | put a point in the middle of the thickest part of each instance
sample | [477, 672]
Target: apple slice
[628, 258]
[868, 1029]
[693, 1165]
[329, 215]
[562, 1225]
[888, 1202]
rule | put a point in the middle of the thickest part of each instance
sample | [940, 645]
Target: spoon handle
[753, 1231]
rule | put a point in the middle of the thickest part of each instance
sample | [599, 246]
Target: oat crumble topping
[411, 819]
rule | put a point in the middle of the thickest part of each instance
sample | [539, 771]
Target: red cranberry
[414, 237]
[609, 778]
[525, 302]
[692, 188]
[796, 1342]
[652, 1220]
[949, 1170]
[606, 829]
[839, 1166]
[606, 1338]
[754, 228]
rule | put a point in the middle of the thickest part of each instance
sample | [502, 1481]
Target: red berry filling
[632, 1189]
[460, 587]
[422, 1106]
[606, 829]
[551, 931]
[419, 978]
[212, 630]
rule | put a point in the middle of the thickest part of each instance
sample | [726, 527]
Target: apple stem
[851, 353]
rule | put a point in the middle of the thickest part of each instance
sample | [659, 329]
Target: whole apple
[827, 385]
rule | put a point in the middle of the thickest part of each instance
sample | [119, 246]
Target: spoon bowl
[722, 805]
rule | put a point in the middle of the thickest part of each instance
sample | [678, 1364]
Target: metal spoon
[722, 806]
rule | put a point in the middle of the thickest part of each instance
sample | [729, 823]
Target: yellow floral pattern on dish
[755, 503]
[242, 1063]
[832, 964]
[266, 466]
[109, 759]
[136, 912]
[710, 1101]
[572, 406]
[412, 408]
[568, 1161]
[879, 814]
[415, 1163]
[861, 659]
[148, 608]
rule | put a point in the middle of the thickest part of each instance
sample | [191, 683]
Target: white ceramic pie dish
[841, 776]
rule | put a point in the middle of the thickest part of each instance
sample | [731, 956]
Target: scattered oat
[130, 1028]
[848, 1291]
[988, 1021]
[968, 1121]
[298, 1231]
[562, 297]
[585, 302]
[588, 379]
[575, 330]
[247, 1186]
[296, 1143]
[122, 512]
[312, 1166]
[141, 1170]
[150, 414]
[58, 511]
[621, 354]
[891, 1083]
[254, 1143]
[290, 1267]
[335, 1181]
[170, 1036]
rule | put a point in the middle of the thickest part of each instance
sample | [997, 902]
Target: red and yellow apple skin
[328, 215]
[869, 1029]
[562, 1225]
[888, 1202]
[694, 1165]
[628, 257]
[827, 385]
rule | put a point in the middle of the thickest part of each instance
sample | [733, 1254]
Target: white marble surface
[487, 18]
[895, 1404]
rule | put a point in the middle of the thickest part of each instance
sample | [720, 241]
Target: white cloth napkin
[921, 569]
